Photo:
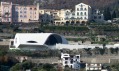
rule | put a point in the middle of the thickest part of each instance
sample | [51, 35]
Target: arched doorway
[67, 22]
[83, 23]
[77, 22]
[72, 22]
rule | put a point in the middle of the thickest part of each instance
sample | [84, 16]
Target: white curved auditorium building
[35, 41]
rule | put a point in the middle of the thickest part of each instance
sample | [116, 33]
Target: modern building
[98, 16]
[6, 11]
[19, 13]
[35, 41]
[71, 61]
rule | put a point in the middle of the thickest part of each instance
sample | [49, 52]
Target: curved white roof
[37, 38]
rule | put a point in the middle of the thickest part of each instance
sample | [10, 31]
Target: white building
[71, 61]
[83, 12]
[6, 11]
[93, 66]
[35, 41]
[98, 16]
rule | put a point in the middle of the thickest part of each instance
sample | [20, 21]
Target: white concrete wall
[71, 47]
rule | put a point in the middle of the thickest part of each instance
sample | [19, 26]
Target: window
[99, 17]
[78, 13]
[24, 11]
[25, 8]
[66, 62]
[81, 13]
[21, 16]
[35, 9]
[85, 18]
[31, 42]
[73, 14]
[85, 9]
[95, 17]
[81, 8]
[81, 18]
[20, 11]
[81, 5]
[66, 58]
[85, 13]
[12, 42]
[77, 56]
[77, 9]
[25, 16]
[71, 61]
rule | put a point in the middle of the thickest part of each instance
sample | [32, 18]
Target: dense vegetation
[58, 4]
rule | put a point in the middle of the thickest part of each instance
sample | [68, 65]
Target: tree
[17, 67]
[102, 50]
[112, 50]
[115, 67]
[107, 14]
[114, 15]
[22, 66]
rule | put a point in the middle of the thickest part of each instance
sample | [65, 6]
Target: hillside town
[40, 39]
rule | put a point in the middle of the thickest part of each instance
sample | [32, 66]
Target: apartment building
[6, 11]
[25, 13]
[19, 13]
[83, 12]
[71, 61]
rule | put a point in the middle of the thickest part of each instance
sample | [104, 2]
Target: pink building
[6, 11]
